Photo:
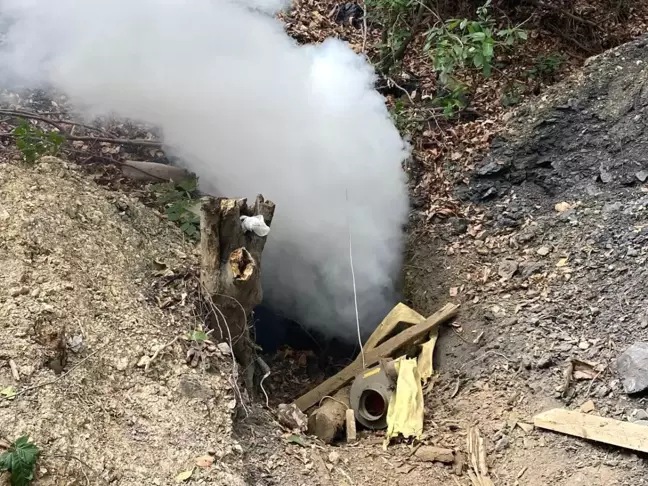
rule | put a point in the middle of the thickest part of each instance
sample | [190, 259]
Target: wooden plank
[399, 314]
[592, 427]
[372, 357]
[350, 426]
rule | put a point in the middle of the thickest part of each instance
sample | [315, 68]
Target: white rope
[355, 292]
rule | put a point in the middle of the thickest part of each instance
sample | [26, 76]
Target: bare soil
[91, 289]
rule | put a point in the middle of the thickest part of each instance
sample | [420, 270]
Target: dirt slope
[542, 286]
[98, 266]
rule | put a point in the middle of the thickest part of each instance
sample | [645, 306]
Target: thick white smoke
[250, 112]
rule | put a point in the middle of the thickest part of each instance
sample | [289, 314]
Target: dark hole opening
[299, 358]
[373, 404]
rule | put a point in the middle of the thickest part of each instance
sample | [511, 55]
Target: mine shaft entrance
[299, 358]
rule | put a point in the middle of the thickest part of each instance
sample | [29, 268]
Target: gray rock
[502, 444]
[507, 269]
[529, 268]
[545, 361]
[642, 175]
[632, 367]
[490, 168]
[639, 414]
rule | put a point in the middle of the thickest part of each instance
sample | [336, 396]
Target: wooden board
[399, 314]
[372, 357]
[606, 430]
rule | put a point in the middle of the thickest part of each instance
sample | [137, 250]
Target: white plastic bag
[256, 224]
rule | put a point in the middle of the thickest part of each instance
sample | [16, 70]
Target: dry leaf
[586, 370]
[562, 207]
[204, 461]
[562, 262]
[184, 475]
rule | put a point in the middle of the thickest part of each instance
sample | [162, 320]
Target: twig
[33, 116]
[589, 388]
[215, 308]
[157, 352]
[54, 123]
[482, 357]
[14, 370]
[82, 462]
[355, 292]
[364, 27]
[51, 382]
[344, 473]
[116, 141]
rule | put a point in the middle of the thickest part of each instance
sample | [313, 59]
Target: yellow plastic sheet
[425, 366]
[405, 412]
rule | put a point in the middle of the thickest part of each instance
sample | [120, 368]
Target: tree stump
[230, 271]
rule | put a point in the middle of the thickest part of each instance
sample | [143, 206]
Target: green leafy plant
[467, 46]
[198, 335]
[33, 142]
[546, 66]
[179, 201]
[20, 461]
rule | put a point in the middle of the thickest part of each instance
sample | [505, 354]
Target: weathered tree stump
[230, 271]
[328, 420]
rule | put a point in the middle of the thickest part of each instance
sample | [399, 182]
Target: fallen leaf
[9, 392]
[297, 439]
[184, 475]
[588, 407]
[586, 370]
[562, 262]
[204, 461]
[561, 207]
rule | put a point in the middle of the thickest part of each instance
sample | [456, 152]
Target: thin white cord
[355, 292]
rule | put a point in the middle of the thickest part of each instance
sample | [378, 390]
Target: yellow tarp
[405, 412]
[425, 366]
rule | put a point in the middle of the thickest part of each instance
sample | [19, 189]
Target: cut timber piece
[434, 454]
[329, 419]
[609, 431]
[350, 426]
[154, 171]
[400, 314]
[388, 348]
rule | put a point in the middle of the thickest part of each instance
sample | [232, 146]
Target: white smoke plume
[250, 112]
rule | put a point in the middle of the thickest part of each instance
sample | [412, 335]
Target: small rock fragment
[224, 348]
[528, 428]
[502, 444]
[507, 269]
[642, 175]
[588, 406]
[435, 454]
[121, 364]
[584, 345]
[334, 457]
[562, 207]
[639, 414]
[543, 250]
[545, 361]
[632, 366]
[143, 361]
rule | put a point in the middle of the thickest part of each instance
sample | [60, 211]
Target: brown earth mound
[91, 290]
